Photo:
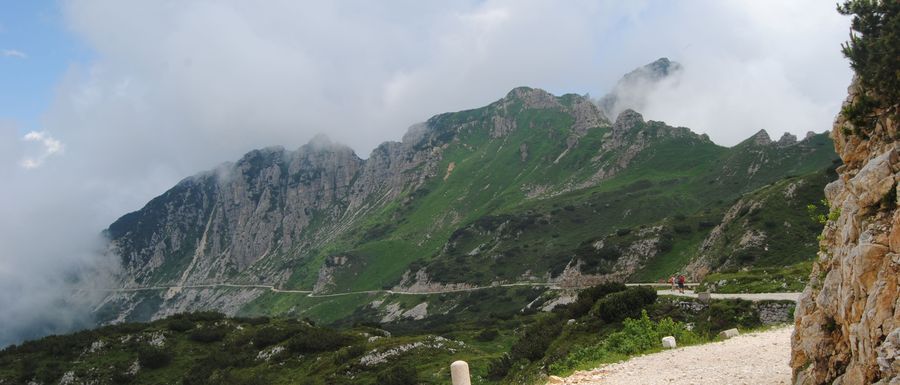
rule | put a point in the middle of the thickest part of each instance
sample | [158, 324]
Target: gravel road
[749, 297]
[756, 358]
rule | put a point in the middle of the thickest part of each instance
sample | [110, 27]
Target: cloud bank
[177, 87]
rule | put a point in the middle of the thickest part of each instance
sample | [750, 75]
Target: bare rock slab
[730, 333]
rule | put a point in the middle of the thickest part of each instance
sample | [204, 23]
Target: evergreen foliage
[874, 53]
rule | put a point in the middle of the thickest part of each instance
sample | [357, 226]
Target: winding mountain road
[549, 285]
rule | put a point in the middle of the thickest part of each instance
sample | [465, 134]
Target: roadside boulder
[730, 333]
[668, 342]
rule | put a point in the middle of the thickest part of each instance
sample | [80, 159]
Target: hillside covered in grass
[604, 324]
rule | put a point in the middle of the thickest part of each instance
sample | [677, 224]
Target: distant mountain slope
[531, 188]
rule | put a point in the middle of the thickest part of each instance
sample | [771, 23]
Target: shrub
[310, 340]
[499, 368]
[726, 314]
[536, 339]
[398, 375]
[636, 336]
[208, 334]
[487, 335]
[180, 325]
[153, 358]
[271, 335]
[346, 354]
[641, 335]
[587, 298]
[629, 303]
[255, 321]
[666, 242]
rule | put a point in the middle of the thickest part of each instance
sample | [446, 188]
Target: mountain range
[533, 189]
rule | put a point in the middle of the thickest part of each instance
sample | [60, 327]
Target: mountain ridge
[321, 218]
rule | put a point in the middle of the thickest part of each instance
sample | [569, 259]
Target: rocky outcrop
[761, 138]
[632, 91]
[848, 317]
[787, 140]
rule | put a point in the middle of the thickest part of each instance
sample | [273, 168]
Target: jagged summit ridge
[631, 91]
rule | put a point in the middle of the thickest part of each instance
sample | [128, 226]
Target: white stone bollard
[459, 373]
[668, 342]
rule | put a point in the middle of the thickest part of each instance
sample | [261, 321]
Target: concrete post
[459, 373]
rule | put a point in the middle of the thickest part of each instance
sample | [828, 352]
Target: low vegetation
[606, 323]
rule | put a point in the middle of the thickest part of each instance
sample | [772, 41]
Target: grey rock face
[761, 138]
[787, 139]
[848, 317]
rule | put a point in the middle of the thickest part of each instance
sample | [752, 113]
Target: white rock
[730, 333]
[554, 380]
[668, 342]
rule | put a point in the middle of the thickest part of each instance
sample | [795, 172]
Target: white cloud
[14, 54]
[48, 147]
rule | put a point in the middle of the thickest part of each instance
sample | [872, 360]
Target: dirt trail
[757, 358]
[749, 296]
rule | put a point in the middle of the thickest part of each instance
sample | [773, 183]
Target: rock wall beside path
[847, 322]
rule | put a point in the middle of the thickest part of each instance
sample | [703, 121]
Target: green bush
[727, 314]
[642, 334]
[587, 298]
[536, 338]
[208, 334]
[255, 321]
[153, 358]
[629, 303]
[398, 375]
[180, 325]
[499, 368]
[638, 335]
[271, 335]
[487, 335]
[310, 340]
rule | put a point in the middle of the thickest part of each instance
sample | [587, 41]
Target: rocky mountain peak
[654, 71]
[787, 139]
[627, 120]
[761, 138]
[631, 91]
[533, 97]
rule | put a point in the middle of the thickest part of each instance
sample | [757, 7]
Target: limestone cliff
[848, 318]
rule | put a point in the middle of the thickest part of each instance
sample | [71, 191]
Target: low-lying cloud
[177, 87]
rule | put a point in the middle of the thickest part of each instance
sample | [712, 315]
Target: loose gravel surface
[757, 358]
[748, 297]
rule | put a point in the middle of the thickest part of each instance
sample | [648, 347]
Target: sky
[105, 104]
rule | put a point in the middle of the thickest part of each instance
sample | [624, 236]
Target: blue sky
[38, 31]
